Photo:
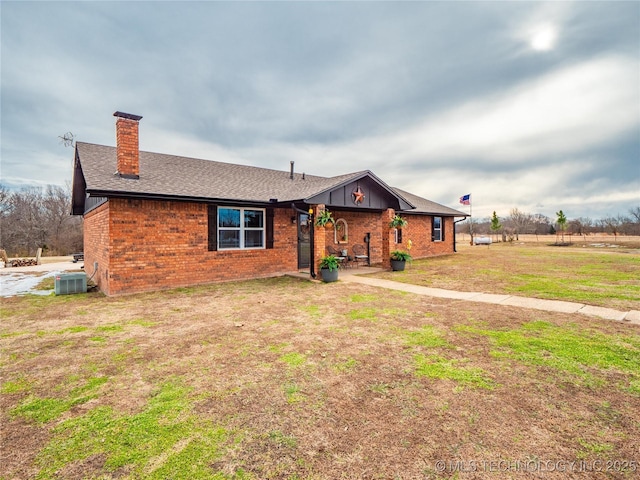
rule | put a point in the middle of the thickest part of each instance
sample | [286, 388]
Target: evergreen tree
[495, 223]
[561, 221]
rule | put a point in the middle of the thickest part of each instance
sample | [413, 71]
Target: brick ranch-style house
[154, 221]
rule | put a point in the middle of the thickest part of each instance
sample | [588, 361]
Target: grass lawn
[288, 379]
[608, 278]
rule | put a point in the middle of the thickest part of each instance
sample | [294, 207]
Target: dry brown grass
[314, 381]
[599, 275]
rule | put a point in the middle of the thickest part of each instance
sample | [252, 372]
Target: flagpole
[470, 220]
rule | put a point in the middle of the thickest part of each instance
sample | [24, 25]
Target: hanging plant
[397, 222]
[324, 219]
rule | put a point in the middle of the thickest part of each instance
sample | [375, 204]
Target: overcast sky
[528, 105]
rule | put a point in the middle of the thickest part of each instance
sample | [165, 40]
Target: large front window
[240, 228]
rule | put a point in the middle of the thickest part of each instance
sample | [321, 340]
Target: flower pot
[398, 265]
[329, 275]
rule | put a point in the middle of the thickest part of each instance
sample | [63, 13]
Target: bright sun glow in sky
[544, 38]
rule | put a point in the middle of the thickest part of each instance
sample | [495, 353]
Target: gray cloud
[437, 98]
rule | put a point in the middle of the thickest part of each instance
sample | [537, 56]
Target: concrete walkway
[356, 276]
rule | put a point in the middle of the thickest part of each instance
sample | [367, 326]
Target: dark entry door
[304, 243]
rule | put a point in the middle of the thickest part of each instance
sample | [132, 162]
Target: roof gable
[363, 190]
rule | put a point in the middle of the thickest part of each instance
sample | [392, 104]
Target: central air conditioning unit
[67, 283]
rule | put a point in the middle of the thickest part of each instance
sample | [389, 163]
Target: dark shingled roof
[174, 176]
[427, 206]
[171, 175]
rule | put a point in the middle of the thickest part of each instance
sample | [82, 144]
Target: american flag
[465, 199]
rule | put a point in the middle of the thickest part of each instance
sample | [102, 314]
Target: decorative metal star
[358, 196]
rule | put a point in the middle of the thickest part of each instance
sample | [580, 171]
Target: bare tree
[519, 221]
[612, 224]
[30, 220]
[580, 225]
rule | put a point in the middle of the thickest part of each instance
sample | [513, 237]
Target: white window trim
[243, 229]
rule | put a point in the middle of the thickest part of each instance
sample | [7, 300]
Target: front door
[304, 242]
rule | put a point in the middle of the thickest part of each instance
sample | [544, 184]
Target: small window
[398, 235]
[340, 231]
[436, 236]
[240, 228]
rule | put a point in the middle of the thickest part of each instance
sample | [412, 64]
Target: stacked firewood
[22, 262]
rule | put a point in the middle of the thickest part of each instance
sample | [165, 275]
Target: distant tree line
[518, 222]
[34, 218]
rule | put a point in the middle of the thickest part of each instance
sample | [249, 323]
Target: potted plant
[399, 259]
[397, 222]
[324, 219]
[329, 268]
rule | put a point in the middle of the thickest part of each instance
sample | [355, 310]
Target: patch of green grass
[165, 440]
[98, 339]
[292, 393]
[567, 348]
[435, 366]
[347, 366]
[312, 310]
[368, 313]
[48, 283]
[8, 312]
[277, 348]
[11, 334]
[293, 359]
[583, 290]
[427, 336]
[634, 386]
[593, 448]
[43, 410]
[110, 328]
[395, 312]
[92, 384]
[74, 329]
[363, 298]
[22, 384]
[142, 322]
[382, 388]
[282, 440]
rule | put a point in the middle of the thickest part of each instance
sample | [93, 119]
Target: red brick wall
[127, 146]
[96, 245]
[418, 230]
[145, 245]
[154, 245]
[358, 225]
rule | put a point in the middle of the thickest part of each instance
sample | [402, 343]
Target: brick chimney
[127, 150]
